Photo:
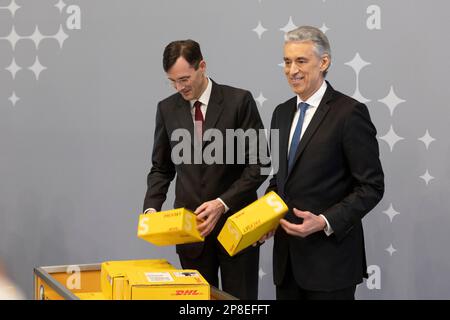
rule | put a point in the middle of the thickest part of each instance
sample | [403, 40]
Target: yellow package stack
[91, 296]
[114, 274]
[170, 227]
[166, 285]
[249, 224]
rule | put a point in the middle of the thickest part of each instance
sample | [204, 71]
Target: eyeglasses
[180, 82]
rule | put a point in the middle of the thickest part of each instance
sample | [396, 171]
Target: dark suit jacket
[337, 173]
[235, 184]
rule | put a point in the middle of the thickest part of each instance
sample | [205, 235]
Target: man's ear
[202, 65]
[325, 62]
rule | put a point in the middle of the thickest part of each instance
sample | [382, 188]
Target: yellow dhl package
[170, 227]
[113, 274]
[166, 285]
[91, 296]
[249, 224]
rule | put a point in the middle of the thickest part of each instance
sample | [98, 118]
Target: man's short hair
[188, 49]
[315, 35]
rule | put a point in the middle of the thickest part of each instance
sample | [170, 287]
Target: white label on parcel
[158, 276]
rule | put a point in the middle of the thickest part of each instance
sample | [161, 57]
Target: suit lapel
[185, 117]
[214, 109]
[317, 119]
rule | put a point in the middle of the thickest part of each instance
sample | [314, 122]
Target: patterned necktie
[198, 119]
[303, 106]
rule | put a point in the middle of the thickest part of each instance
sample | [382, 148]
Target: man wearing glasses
[214, 191]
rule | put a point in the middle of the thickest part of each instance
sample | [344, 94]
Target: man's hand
[209, 213]
[265, 237]
[311, 223]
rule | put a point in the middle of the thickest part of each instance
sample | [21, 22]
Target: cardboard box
[169, 227]
[114, 273]
[91, 296]
[166, 285]
[249, 224]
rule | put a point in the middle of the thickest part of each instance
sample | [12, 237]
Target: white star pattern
[36, 37]
[427, 177]
[261, 273]
[324, 28]
[391, 100]
[427, 139]
[281, 64]
[13, 7]
[13, 98]
[259, 29]
[261, 99]
[60, 5]
[357, 63]
[391, 250]
[61, 36]
[13, 68]
[391, 213]
[391, 138]
[289, 26]
[37, 68]
[13, 38]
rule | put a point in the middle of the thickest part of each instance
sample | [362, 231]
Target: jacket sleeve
[362, 154]
[163, 169]
[251, 177]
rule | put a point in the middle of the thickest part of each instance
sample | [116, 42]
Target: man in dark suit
[329, 174]
[214, 191]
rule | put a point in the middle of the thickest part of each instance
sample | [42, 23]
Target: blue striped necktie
[303, 106]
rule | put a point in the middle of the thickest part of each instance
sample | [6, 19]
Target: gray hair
[315, 35]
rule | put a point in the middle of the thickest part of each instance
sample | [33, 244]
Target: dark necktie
[303, 106]
[198, 119]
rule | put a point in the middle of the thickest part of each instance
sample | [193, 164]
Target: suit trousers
[290, 290]
[239, 274]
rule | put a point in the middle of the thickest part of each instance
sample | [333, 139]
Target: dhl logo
[187, 293]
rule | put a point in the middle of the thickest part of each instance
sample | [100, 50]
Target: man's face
[190, 83]
[303, 67]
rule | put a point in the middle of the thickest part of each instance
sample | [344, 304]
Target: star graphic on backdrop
[13, 68]
[259, 29]
[13, 7]
[13, 98]
[60, 5]
[358, 96]
[61, 36]
[37, 68]
[427, 177]
[13, 38]
[36, 37]
[391, 100]
[357, 63]
[391, 250]
[261, 273]
[391, 213]
[289, 26]
[427, 139]
[391, 138]
[324, 28]
[261, 99]
[281, 64]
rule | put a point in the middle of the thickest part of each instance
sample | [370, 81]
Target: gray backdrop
[79, 84]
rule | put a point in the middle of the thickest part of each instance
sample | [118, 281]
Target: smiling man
[213, 191]
[329, 174]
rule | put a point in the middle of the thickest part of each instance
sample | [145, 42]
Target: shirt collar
[204, 98]
[315, 99]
